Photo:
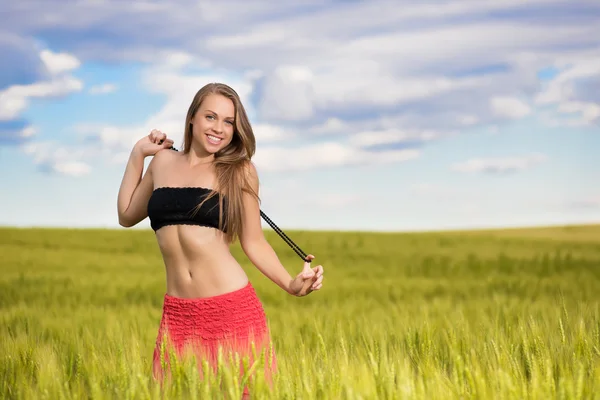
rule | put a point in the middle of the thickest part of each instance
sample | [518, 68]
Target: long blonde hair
[231, 163]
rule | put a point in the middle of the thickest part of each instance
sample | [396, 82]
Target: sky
[369, 115]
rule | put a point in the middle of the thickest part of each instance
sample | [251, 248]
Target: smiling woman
[216, 113]
[199, 201]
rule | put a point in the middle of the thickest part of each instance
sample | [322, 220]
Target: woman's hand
[307, 281]
[151, 144]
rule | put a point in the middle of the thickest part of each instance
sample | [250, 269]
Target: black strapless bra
[177, 206]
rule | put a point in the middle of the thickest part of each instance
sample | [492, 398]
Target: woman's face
[214, 122]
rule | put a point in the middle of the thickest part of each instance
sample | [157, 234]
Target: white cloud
[15, 99]
[296, 93]
[467, 120]
[266, 133]
[17, 135]
[391, 136]
[57, 63]
[72, 168]
[573, 91]
[325, 155]
[265, 37]
[589, 111]
[384, 88]
[103, 89]
[28, 131]
[52, 157]
[332, 125]
[509, 107]
[288, 94]
[11, 105]
[500, 164]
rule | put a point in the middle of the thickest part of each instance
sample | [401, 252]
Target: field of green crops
[512, 314]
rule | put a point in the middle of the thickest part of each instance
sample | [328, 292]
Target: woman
[199, 201]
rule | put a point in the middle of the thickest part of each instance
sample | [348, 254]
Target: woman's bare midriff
[198, 262]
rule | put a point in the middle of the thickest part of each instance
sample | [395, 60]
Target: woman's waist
[204, 278]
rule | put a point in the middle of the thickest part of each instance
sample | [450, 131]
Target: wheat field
[496, 314]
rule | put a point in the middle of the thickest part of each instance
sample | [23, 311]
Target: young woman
[199, 201]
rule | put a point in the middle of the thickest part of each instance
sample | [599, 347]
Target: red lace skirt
[234, 321]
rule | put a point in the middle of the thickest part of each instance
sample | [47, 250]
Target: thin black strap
[285, 238]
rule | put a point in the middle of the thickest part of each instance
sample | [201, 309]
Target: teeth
[214, 139]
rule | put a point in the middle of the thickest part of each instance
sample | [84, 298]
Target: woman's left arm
[262, 255]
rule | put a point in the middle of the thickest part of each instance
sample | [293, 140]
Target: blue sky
[371, 115]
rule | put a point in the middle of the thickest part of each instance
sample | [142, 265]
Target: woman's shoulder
[162, 159]
[251, 173]
[165, 155]
[249, 169]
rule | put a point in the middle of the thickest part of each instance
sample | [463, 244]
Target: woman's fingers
[318, 282]
[157, 137]
[318, 270]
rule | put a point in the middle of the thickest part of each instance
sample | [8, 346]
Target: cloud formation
[574, 92]
[57, 63]
[369, 81]
[15, 132]
[15, 99]
[103, 89]
[52, 157]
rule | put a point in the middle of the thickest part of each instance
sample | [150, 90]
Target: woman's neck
[198, 156]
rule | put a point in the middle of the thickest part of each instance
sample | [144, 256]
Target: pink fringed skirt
[235, 322]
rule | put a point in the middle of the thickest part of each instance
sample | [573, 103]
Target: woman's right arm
[135, 190]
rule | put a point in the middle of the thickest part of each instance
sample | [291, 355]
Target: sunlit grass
[511, 314]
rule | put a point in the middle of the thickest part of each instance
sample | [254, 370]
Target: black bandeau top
[177, 206]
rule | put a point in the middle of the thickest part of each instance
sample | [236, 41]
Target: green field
[511, 314]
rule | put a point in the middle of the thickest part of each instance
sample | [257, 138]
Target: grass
[496, 314]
